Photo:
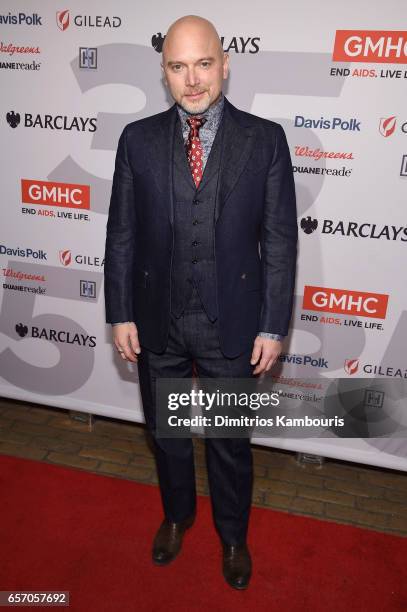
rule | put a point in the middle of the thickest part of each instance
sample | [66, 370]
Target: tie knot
[195, 123]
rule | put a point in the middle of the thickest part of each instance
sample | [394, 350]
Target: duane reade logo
[345, 301]
[354, 229]
[53, 122]
[370, 46]
[321, 123]
[32, 19]
[55, 335]
[64, 20]
[25, 253]
[238, 44]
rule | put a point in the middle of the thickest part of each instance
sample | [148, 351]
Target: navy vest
[194, 229]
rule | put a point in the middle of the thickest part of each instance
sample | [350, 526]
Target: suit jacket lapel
[237, 146]
[161, 154]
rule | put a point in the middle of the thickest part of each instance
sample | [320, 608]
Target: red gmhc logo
[342, 301]
[66, 195]
[374, 46]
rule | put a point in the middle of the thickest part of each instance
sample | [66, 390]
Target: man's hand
[265, 354]
[125, 337]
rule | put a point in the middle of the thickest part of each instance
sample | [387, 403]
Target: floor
[354, 494]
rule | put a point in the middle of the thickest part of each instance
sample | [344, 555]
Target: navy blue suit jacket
[255, 230]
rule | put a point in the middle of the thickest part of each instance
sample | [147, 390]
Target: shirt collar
[212, 115]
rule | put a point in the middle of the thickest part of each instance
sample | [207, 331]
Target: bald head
[189, 28]
[193, 63]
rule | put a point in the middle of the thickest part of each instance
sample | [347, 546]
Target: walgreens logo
[65, 195]
[374, 46]
[10, 49]
[343, 301]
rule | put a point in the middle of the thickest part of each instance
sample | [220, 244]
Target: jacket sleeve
[120, 240]
[278, 240]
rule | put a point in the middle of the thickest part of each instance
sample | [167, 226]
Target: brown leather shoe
[168, 540]
[237, 566]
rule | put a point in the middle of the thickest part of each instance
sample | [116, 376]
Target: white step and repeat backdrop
[72, 76]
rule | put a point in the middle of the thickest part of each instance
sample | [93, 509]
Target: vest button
[195, 261]
[195, 243]
[195, 201]
[195, 222]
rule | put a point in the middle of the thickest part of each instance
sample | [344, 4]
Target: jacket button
[195, 243]
[195, 201]
[195, 222]
[195, 261]
[243, 275]
[145, 273]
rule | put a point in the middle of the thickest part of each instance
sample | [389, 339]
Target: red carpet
[64, 529]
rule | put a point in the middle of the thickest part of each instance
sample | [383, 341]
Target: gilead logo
[342, 301]
[66, 195]
[376, 46]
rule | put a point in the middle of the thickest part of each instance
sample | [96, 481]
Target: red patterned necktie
[193, 148]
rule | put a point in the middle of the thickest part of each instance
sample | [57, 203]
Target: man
[196, 190]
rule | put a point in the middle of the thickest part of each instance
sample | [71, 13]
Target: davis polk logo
[25, 253]
[370, 46]
[65, 195]
[86, 21]
[57, 122]
[343, 301]
[306, 360]
[21, 19]
[335, 123]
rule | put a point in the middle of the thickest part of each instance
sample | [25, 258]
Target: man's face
[194, 67]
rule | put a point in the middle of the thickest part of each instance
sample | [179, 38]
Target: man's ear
[163, 74]
[225, 65]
